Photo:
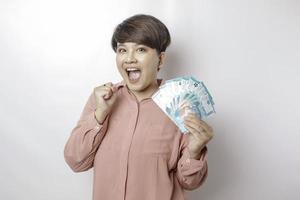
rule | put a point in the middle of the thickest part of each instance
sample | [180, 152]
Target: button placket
[96, 128]
[188, 161]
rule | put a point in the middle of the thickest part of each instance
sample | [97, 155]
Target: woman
[136, 151]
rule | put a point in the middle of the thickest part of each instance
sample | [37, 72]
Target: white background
[53, 53]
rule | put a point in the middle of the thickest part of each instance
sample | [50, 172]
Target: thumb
[111, 92]
[114, 88]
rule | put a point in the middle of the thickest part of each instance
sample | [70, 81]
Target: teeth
[131, 69]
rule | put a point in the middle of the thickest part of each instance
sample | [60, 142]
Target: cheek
[118, 60]
[119, 63]
[151, 74]
[151, 64]
[119, 66]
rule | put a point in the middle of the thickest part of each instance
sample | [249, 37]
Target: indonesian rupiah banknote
[182, 95]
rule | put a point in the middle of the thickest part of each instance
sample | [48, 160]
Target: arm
[191, 173]
[85, 138]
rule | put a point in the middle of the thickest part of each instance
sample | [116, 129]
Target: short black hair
[142, 29]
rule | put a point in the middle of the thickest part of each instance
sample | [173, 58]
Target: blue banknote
[182, 95]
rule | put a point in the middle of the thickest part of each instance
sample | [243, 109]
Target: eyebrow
[122, 45]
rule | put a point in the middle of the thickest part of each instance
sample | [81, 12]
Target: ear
[162, 58]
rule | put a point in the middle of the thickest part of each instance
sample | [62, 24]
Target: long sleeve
[191, 173]
[85, 138]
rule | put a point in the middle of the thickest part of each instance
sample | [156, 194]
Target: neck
[147, 92]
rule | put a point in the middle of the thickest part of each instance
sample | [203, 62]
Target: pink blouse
[138, 153]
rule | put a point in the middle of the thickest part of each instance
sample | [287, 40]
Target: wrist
[100, 115]
[196, 154]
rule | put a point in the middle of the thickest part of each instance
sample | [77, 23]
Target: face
[138, 65]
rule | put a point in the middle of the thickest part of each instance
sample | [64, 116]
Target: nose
[130, 58]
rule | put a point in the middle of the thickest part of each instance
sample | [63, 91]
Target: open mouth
[133, 73]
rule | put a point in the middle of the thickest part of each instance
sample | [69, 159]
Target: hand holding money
[183, 95]
[200, 133]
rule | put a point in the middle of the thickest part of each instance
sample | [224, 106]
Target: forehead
[129, 44]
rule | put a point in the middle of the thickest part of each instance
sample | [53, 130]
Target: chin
[136, 88]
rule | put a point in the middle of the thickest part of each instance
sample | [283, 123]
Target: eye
[121, 50]
[141, 49]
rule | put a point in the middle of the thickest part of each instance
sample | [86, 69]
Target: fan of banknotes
[182, 95]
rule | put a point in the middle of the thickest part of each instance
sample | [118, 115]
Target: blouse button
[188, 161]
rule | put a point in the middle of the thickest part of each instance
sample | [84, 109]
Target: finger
[114, 88]
[199, 128]
[111, 86]
[192, 131]
[108, 94]
[102, 91]
[198, 135]
[108, 84]
[207, 127]
[195, 124]
[196, 119]
[110, 91]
